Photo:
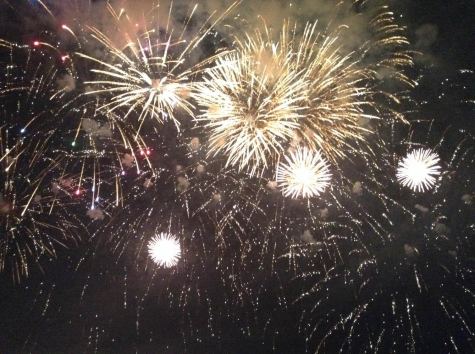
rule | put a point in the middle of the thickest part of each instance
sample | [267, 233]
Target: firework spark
[165, 250]
[305, 174]
[33, 216]
[419, 170]
[248, 250]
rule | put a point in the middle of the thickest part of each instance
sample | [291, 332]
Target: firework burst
[304, 174]
[397, 263]
[302, 104]
[343, 96]
[252, 101]
[164, 249]
[33, 216]
[306, 86]
[148, 74]
[419, 170]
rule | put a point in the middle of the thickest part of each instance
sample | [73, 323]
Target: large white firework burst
[419, 170]
[164, 249]
[305, 173]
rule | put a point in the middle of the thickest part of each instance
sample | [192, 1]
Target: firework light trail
[33, 218]
[345, 88]
[252, 102]
[269, 93]
[420, 261]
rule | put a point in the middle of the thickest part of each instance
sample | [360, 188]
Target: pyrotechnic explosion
[268, 92]
[396, 265]
[252, 101]
[304, 173]
[344, 88]
[165, 250]
[148, 74]
[419, 170]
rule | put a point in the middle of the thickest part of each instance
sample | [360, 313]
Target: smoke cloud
[247, 15]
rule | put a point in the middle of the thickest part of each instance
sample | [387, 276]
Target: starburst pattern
[419, 170]
[252, 101]
[305, 173]
[164, 249]
[149, 76]
[282, 206]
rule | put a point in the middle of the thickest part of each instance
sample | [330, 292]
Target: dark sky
[455, 29]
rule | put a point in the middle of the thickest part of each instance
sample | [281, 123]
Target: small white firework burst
[305, 173]
[419, 170]
[164, 249]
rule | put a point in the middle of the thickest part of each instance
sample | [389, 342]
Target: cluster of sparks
[150, 75]
[296, 108]
[146, 81]
[269, 93]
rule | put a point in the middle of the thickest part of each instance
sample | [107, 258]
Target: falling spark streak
[33, 215]
[237, 228]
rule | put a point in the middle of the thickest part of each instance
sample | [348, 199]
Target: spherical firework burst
[252, 101]
[304, 174]
[403, 261]
[242, 242]
[147, 72]
[343, 96]
[164, 249]
[142, 84]
[419, 170]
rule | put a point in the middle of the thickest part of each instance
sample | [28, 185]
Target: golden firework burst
[304, 87]
[252, 100]
[345, 85]
[147, 72]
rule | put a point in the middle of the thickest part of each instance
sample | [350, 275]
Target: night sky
[367, 266]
